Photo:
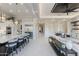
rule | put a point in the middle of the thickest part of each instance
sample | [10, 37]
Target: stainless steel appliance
[8, 30]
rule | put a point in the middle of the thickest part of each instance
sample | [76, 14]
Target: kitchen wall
[27, 25]
[2, 28]
[5, 24]
[32, 28]
[53, 26]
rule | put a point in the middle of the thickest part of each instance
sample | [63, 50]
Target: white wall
[3, 26]
[25, 22]
[32, 28]
[53, 26]
[69, 27]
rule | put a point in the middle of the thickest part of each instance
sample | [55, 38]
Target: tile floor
[39, 47]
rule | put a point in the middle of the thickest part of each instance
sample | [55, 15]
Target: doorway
[41, 30]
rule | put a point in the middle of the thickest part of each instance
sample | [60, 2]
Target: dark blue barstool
[20, 43]
[11, 46]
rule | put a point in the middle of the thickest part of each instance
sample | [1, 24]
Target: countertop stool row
[14, 45]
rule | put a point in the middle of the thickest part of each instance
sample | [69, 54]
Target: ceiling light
[18, 10]
[36, 11]
[64, 19]
[11, 11]
[26, 11]
[10, 3]
[3, 18]
[16, 22]
[21, 3]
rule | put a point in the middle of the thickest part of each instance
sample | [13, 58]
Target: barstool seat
[12, 46]
[20, 40]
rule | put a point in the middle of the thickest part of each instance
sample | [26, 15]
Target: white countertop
[63, 40]
[75, 42]
[6, 38]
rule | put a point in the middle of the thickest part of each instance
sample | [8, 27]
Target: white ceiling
[45, 12]
[20, 11]
[32, 10]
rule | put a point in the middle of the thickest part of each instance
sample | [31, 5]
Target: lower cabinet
[30, 34]
[60, 48]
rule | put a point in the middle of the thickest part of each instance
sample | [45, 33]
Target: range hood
[65, 7]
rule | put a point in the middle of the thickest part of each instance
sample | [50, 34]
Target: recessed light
[18, 10]
[36, 11]
[10, 10]
[10, 3]
[21, 3]
[3, 18]
[16, 22]
[26, 11]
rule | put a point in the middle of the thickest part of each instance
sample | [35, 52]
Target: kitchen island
[5, 39]
[68, 42]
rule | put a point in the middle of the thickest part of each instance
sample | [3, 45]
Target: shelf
[75, 21]
[75, 29]
[75, 25]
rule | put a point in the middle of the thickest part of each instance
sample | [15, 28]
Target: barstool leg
[16, 50]
[12, 51]
[28, 40]
[20, 48]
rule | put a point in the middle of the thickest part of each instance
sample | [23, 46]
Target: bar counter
[75, 42]
[6, 38]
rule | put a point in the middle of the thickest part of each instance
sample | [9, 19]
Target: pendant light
[2, 18]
